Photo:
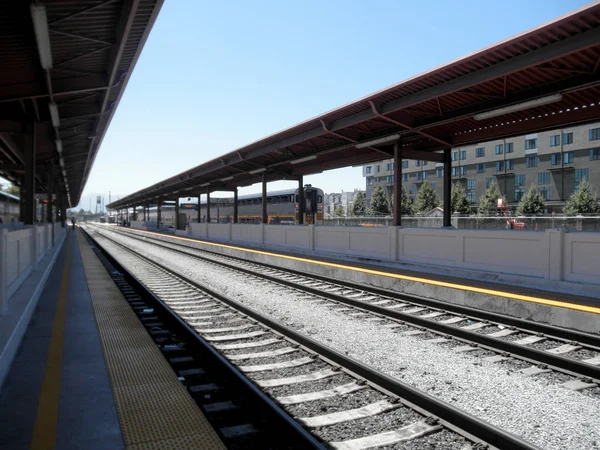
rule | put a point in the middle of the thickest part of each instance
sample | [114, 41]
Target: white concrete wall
[293, 236]
[366, 241]
[247, 233]
[581, 256]
[199, 230]
[219, 231]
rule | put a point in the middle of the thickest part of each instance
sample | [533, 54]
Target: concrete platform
[527, 298]
[65, 387]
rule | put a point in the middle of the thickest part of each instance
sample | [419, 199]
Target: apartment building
[336, 199]
[554, 161]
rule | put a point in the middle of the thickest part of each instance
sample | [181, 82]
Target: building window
[489, 181]
[463, 155]
[455, 171]
[555, 140]
[543, 178]
[369, 169]
[404, 177]
[568, 157]
[369, 181]
[581, 174]
[405, 164]
[480, 152]
[508, 148]
[423, 163]
[471, 197]
[425, 175]
[532, 161]
[378, 169]
[439, 172]
[412, 189]
[510, 164]
[417, 163]
[463, 171]
[419, 176]
[454, 156]
[499, 166]
[594, 134]
[471, 184]
[433, 185]
[544, 192]
[556, 159]
[518, 194]
[520, 180]
[499, 149]
[530, 144]
[387, 167]
[567, 138]
[481, 168]
[594, 154]
[389, 179]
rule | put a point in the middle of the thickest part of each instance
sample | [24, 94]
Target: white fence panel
[288, 236]
[246, 232]
[582, 257]
[219, 231]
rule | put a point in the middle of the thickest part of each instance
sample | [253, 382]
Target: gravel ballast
[547, 415]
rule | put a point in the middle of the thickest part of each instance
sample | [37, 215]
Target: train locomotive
[282, 209]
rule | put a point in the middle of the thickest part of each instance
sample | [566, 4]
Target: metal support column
[300, 200]
[28, 187]
[235, 206]
[447, 187]
[177, 225]
[397, 185]
[207, 206]
[50, 188]
[199, 208]
[158, 214]
[264, 218]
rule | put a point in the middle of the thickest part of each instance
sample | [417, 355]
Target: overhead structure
[544, 78]
[65, 66]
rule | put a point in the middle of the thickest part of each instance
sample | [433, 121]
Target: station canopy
[544, 78]
[64, 66]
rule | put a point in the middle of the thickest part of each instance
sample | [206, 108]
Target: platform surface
[88, 376]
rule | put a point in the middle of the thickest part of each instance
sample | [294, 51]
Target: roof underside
[431, 112]
[94, 45]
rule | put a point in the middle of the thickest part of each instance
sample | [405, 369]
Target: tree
[10, 189]
[531, 203]
[459, 202]
[407, 206]
[426, 198]
[358, 205]
[488, 203]
[339, 211]
[582, 201]
[380, 205]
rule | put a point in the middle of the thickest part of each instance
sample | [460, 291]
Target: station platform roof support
[543, 78]
[65, 66]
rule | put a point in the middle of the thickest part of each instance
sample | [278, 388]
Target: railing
[20, 252]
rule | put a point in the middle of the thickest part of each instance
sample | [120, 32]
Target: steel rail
[570, 366]
[455, 418]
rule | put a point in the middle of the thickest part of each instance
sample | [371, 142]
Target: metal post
[28, 187]
[264, 218]
[177, 214]
[3, 272]
[235, 206]
[158, 214]
[207, 206]
[50, 209]
[447, 187]
[300, 200]
[199, 208]
[397, 185]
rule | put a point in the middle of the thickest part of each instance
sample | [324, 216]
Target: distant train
[282, 209]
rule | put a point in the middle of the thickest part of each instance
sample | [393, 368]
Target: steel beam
[235, 206]
[177, 224]
[158, 213]
[207, 205]
[300, 200]
[28, 188]
[264, 217]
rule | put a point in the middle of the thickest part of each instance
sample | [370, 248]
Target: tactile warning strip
[154, 408]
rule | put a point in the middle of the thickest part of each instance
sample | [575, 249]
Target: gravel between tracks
[550, 416]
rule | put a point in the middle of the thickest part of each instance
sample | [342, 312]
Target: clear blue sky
[215, 76]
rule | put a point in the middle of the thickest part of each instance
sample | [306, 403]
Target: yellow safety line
[154, 408]
[462, 287]
[44, 431]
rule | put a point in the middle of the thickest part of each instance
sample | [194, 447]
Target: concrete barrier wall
[247, 233]
[359, 241]
[199, 230]
[581, 255]
[219, 231]
[288, 236]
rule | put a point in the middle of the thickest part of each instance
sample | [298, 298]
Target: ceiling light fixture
[519, 107]
[383, 140]
[255, 171]
[301, 160]
[54, 114]
[42, 36]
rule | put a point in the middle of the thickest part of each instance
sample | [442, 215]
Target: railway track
[345, 404]
[536, 348]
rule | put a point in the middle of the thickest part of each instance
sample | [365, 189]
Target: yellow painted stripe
[44, 431]
[462, 287]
